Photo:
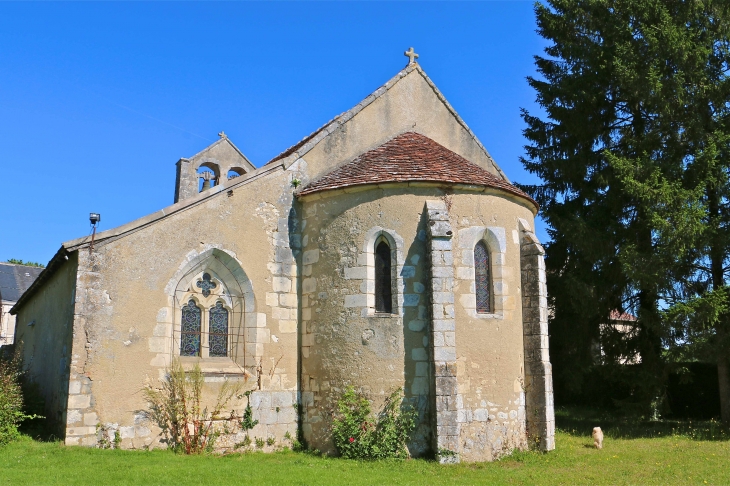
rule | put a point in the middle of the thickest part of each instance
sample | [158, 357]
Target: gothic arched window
[218, 329]
[190, 330]
[482, 279]
[383, 278]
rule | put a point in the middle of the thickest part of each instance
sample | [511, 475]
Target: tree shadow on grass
[580, 421]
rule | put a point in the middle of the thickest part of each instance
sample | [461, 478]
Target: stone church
[387, 249]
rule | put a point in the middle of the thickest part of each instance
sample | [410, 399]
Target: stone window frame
[489, 287]
[219, 294]
[254, 332]
[367, 259]
[495, 239]
[379, 241]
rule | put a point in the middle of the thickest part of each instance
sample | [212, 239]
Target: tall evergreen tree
[624, 157]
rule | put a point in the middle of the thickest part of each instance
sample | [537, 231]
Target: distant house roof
[410, 157]
[15, 279]
[622, 316]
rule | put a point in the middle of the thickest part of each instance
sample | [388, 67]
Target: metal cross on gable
[411, 55]
[206, 284]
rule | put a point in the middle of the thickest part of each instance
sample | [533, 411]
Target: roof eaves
[58, 259]
[363, 186]
[300, 148]
[215, 191]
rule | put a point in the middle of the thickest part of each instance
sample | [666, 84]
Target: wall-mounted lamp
[94, 218]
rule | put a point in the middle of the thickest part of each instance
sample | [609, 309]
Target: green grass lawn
[634, 453]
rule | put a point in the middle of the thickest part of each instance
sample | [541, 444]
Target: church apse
[385, 250]
[363, 309]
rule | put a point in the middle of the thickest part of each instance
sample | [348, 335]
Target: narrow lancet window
[190, 335]
[383, 279]
[218, 328]
[482, 278]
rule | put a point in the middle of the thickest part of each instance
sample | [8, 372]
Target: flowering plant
[359, 435]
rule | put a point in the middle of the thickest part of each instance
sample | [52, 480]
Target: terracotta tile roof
[621, 316]
[410, 157]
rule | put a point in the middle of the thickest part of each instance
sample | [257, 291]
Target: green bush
[360, 435]
[11, 398]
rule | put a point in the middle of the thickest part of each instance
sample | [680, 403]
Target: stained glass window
[383, 288]
[206, 284]
[482, 278]
[218, 328]
[190, 335]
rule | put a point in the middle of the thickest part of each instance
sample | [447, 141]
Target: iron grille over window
[218, 338]
[383, 279]
[190, 336]
[482, 278]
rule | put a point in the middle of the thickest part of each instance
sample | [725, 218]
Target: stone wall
[490, 358]
[127, 322]
[465, 370]
[538, 370]
[344, 340]
[44, 329]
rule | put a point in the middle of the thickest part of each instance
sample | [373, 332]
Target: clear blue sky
[99, 100]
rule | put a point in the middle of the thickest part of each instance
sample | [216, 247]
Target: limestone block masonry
[81, 416]
[538, 370]
[443, 333]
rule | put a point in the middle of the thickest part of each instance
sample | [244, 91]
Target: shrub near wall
[11, 397]
[360, 435]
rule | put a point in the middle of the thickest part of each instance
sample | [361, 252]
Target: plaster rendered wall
[342, 343]
[490, 350]
[128, 316]
[47, 343]
[411, 104]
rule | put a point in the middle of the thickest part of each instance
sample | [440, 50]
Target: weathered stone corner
[540, 412]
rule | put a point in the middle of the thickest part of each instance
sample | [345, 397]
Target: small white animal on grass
[597, 438]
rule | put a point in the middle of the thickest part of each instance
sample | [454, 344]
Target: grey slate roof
[15, 279]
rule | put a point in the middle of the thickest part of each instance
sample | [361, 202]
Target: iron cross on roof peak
[411, 55]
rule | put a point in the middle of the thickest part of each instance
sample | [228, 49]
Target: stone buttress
[540, 412]
[443, 333]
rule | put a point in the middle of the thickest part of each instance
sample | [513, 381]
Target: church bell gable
[215, 164]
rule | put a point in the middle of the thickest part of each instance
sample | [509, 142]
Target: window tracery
[206, 284]
[190, 330]
[206, 301]
[218, 331]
